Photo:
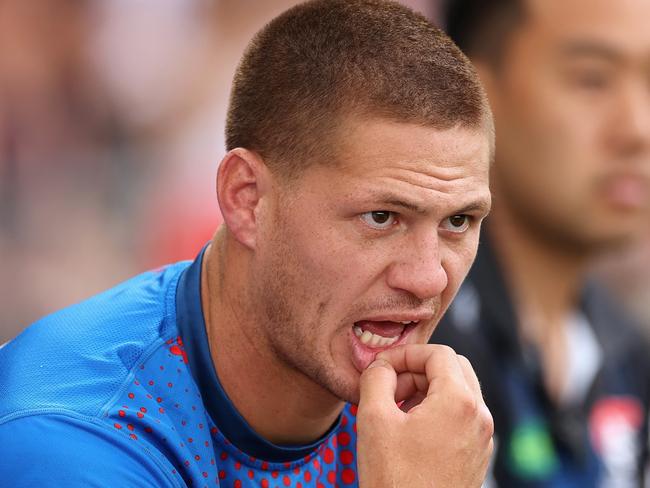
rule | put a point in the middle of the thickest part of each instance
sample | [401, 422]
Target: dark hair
[323, 60]
[481, 27]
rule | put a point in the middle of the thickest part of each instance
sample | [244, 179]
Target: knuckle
[468, 405]
[487, 424]
[464, 361]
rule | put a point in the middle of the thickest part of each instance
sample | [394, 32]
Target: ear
[242, 181]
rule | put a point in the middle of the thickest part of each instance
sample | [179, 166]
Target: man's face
[571, 101]
[364, 255]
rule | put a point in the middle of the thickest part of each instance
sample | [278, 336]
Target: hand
[440, 437]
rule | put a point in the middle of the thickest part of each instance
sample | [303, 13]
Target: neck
[281, 404]
[544, 280]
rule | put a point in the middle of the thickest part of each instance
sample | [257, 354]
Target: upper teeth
[373, 340]
[407, 322]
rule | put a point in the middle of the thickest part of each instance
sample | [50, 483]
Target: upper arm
[55, 450]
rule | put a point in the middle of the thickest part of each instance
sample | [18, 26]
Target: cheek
[331, 272]
[459, 257]
[547, 123]
[457, 262]
[341, 259]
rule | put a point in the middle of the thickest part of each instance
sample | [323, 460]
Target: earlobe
[240, 186]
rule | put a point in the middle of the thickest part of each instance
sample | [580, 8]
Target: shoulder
[61, 450]
[76, 358]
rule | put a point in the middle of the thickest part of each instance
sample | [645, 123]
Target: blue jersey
[121, 391]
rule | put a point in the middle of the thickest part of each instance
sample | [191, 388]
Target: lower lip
[627, 193]
[362, 355]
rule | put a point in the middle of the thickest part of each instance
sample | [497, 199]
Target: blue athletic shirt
[120, 391]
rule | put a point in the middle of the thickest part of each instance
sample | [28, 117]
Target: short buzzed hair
[325, 60]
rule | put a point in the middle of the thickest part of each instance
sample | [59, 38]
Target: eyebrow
[481, 205]
[593, 49]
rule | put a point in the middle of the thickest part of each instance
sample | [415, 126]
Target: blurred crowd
[111, 127]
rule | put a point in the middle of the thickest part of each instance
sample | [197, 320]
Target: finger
[377, 385]
[470, 376]
[436, 362]
[408, 384]
[412, 402]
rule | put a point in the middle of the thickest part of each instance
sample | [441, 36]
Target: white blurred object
[144, 50]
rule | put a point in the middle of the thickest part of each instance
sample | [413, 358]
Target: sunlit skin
[386, 232]
[571, 99]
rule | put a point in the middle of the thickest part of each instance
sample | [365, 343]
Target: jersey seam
[148, 352]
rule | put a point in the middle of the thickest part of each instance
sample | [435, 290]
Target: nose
[417, 267]
[630, 128]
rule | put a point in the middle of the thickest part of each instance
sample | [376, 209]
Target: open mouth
[370, 336]
[381, 334]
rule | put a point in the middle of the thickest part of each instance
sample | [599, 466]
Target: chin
[352, 396]
[344, 388]
[614, 242]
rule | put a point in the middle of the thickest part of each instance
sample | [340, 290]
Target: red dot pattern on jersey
[348, 476]
[343, 438]
[328, 455]
[163, 405]
[346, 457]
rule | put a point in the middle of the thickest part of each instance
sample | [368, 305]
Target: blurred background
[111, 128]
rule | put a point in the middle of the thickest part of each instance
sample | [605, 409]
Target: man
[356, 178]
[564, 376]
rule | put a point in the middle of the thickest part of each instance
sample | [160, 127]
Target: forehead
[368, 145]
[427, 165]
[621, 25]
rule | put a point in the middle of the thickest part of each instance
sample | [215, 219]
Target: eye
[591, 78]
[379, 219]
[456, 223]
[593, 81]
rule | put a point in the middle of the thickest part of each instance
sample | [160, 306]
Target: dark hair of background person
[481, 27]
[326, 59]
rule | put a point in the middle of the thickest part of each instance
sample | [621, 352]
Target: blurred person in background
[563, 370]
[627, 274]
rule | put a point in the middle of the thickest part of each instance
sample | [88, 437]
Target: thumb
[378, 384]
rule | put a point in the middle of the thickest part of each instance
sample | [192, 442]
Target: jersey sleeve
[55, 450]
